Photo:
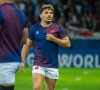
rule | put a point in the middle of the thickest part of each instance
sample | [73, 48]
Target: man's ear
[40, 15]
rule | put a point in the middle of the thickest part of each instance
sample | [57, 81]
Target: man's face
[47, 15]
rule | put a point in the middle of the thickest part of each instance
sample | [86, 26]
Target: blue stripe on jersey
[1, 17]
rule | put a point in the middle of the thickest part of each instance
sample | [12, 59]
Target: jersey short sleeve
[1, 17]
[31, 33]
[62, 33]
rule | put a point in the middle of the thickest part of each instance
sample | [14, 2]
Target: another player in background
[46, 37]
[13, 32]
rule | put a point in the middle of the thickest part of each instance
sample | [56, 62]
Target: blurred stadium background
[79, 65]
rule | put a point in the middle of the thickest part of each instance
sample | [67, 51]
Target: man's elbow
[68, 45]
[23, 42]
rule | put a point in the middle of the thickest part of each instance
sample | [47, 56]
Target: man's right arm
[25, 49]
[24, 53]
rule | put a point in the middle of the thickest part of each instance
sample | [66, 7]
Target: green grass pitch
[69, 79]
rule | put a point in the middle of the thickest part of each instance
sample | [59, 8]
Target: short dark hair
[46, 7]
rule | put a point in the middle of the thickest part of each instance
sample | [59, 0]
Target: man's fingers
[47, 38]
[21, 68]
[47, 35]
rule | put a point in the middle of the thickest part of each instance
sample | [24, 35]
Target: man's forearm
[25, 51]
[65, 42]
[62, 42]
[24, 36]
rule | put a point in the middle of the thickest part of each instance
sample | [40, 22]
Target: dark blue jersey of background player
[12, 24]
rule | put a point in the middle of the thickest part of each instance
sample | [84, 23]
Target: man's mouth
[49, 17]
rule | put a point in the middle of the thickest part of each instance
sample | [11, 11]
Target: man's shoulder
[56, 25]
[36, 25]
[1, 7]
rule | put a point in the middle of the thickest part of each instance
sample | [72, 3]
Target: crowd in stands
[79, 16]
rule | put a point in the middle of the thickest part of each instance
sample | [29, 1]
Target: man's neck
[6, 1]
[45, 24]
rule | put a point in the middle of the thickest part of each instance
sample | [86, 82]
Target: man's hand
[49, 37]
[22, 66]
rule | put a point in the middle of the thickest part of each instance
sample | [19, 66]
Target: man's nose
[49, 14]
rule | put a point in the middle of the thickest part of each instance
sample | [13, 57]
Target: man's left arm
[64, 42]
[24, 36]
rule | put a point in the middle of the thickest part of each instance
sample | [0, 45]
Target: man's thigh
[51, 77]
[52, 73]
[37, 79]
[38, 75]
[50, 83]
[7, 72]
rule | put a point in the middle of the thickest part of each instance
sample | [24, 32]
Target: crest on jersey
[37, 32]
[52, 31]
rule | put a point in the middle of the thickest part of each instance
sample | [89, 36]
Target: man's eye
[51, 12]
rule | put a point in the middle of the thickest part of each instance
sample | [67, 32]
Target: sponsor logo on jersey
[37, 32]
